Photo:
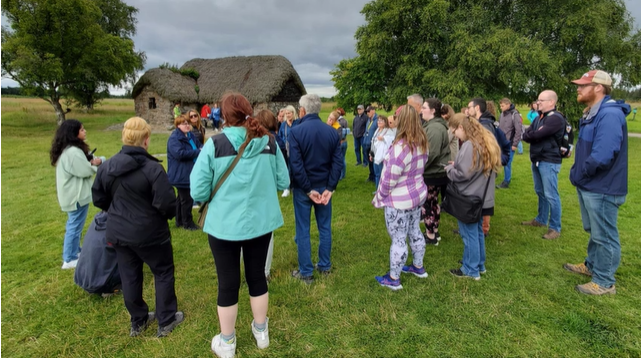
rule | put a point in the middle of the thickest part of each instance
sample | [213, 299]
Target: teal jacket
[246, 205]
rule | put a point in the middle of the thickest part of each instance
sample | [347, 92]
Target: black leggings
[227, 257]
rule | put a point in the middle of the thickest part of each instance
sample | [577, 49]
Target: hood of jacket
[237, 135]
[511, 108]
[487, 116]
[608, 104]
[127, 160]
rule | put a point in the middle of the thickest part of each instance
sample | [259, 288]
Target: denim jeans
[344, 148]
[377, 168]
[519, 148]
[546, 187]
[474, 255]
[323, 213]
[508, 167]
[73, 231]
[358, 149]
[599, 213]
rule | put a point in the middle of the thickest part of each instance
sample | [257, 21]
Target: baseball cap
[360, 107]
[369, 108]
[594, 76]
[398, 110]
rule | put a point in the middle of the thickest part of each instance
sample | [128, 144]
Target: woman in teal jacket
[243, 214]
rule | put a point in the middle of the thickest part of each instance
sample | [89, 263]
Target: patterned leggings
[401, 224]
[431, 209]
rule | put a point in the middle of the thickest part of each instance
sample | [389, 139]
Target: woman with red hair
[247, 198]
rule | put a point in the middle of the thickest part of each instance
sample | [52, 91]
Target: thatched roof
[167, 84]
[259, 78]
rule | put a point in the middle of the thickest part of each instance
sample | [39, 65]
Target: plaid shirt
[402, 183]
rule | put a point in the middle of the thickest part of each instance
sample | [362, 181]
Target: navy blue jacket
[370, 131]
[181, 157]
[601, 151]
[488, 121]
[280, 142]
[359, 125]
[316, 158]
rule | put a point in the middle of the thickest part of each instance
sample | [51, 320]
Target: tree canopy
[70, 46]
[459, 49]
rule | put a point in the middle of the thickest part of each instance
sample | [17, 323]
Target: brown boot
[532, 222]
[578, 268]
[551, 235]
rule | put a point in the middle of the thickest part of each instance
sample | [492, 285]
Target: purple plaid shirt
[402, 183]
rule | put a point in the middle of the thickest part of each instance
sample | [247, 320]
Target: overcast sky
[313, 35]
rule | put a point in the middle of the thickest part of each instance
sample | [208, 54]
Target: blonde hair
[484, 143]
[410, 130]
[292, 110]
[135, 131]
[335, 114]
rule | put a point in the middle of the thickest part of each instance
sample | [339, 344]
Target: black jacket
[545, 135]
[488, 121]
[359, 125]
[134, 188]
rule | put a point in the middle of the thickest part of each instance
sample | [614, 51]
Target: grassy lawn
[524, 306]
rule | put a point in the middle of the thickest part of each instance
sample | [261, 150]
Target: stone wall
[274, 106]
[159, 117]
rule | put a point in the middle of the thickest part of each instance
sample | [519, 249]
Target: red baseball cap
[594, 76]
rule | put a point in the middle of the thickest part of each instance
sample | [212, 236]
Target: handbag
[465, 208]
[203, 210]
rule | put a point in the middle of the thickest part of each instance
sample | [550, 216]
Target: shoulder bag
[467, 209]
[203, 211]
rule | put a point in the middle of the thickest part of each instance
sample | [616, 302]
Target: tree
[71, 46]
[459, 49]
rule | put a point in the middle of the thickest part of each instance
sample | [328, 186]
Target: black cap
[369, 108]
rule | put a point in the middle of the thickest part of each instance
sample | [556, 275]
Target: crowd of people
[422, 155]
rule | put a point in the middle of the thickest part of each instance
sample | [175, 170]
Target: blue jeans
[599, 213]
[377, 168]
[323, 213]
[474, 255]
[358, 150]
[519, 148]
[546, 187]
[344, 148]
[73, 230]
[508, 167]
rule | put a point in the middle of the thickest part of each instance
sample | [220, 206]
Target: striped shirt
[402, 184]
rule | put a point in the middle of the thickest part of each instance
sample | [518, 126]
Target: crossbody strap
[227, 172]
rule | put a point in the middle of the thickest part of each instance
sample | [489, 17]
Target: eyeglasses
[185, 124]
[194, 116]
[542, 100]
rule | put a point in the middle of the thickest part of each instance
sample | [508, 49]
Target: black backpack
[567, 142]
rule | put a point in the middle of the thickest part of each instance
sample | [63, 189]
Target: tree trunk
[60, 114]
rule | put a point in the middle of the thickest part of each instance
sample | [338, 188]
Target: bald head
[547, 100]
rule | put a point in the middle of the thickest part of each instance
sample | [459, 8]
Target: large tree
[459, 49]
[70, 46]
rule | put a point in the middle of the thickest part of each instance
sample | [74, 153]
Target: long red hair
[237, 112]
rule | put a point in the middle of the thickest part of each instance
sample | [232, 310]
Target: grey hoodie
[471, 182]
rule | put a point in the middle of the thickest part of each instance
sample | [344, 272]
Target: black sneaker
[164, 331]
[307, 279]
[458, 273]
[191, 227]
[430, 241]
[322, 272]
[503, 185]
[437, 236]
[135, 331]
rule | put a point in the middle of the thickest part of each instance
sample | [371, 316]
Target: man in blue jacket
[599, 174]
[359, 127]
[371, 127]
[316, 163]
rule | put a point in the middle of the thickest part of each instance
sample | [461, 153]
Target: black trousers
[227, 257]
[161, 261]
[184, 205]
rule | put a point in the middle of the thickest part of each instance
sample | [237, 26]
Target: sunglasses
[194, 116]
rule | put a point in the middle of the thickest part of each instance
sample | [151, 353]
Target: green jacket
[439, 153]
[246, 205]
[74, 179]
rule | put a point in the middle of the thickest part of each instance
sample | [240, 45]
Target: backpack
[567, 142]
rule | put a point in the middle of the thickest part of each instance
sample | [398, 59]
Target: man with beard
[599, 174]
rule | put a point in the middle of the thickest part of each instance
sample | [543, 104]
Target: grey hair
[311, 103]
[292, 110]
[416, 98]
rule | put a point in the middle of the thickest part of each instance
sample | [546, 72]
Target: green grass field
[524, 306]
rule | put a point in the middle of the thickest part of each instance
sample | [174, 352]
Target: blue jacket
[215, 114]
[284, 134]
[280, 142]
[246, 205]
[316, 158]
[181, 157]
[600, 165]
[489, 122]
[371, 127]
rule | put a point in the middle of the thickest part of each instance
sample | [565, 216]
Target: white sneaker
[223, 349]
[285, 193]
[261, 336]
[70, 265]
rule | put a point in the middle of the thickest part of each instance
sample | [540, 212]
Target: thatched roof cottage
[269, 82]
